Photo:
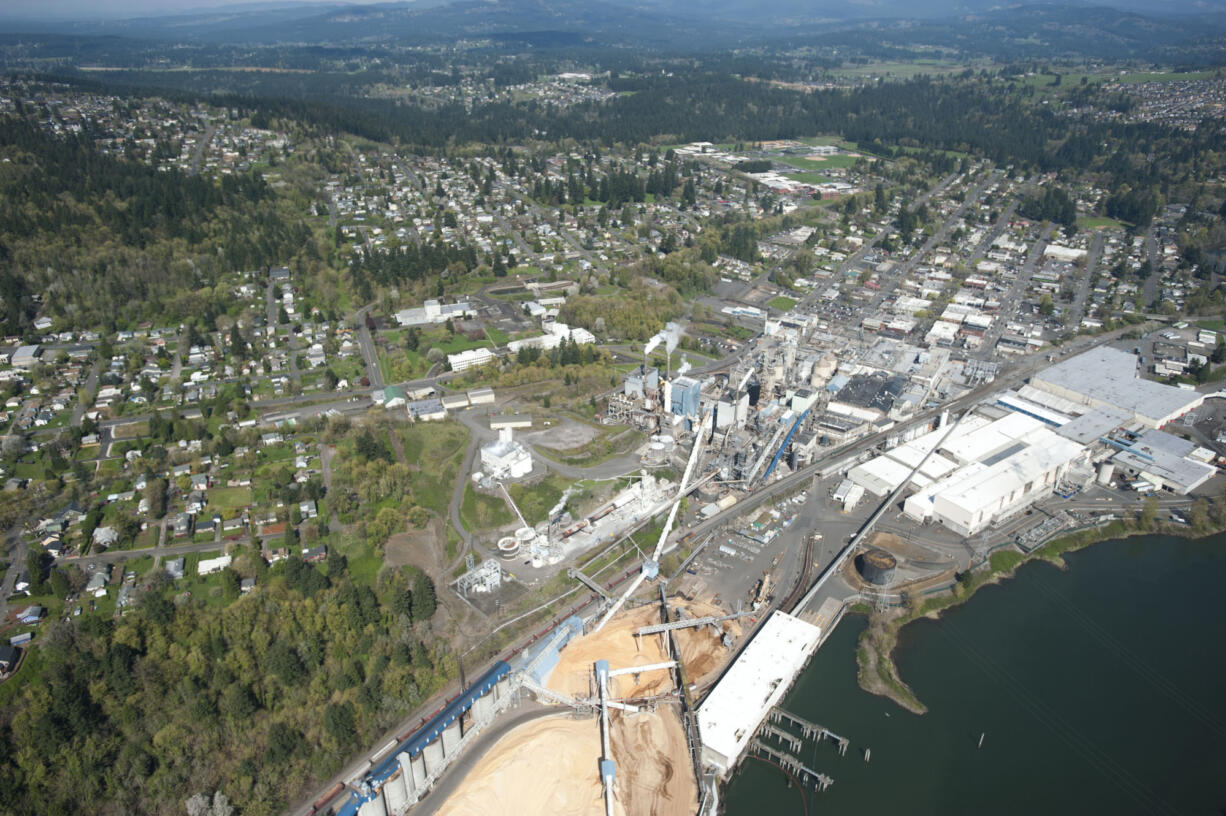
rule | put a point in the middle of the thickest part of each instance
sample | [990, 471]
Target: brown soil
[417, 547]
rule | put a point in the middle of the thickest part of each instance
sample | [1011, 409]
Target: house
[175, 567]
[106, 537]
[246, 585]
[30, 615]
[8, 658]
[96, 585]
[314, 555]
[207, 566]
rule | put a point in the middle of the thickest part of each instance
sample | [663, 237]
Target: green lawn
[1213, 325]
[229, 498]
[809, 178]
[1098, 223]
[827, 163]
[782, 303]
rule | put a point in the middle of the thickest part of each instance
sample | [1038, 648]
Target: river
[1097, 689]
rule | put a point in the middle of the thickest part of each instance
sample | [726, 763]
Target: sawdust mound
[654, 775]
[546, 766]
[702, 653]
[551, 766]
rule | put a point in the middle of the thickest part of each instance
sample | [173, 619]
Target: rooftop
[1109, 375]
[754, 684]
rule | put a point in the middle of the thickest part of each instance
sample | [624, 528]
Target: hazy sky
[95, 9]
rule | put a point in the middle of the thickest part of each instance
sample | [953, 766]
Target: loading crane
[651, 567]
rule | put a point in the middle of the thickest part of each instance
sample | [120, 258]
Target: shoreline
[878, 674]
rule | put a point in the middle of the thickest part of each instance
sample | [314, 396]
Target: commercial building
[752, 686]
[1107, 377]
[468, 359]
[434, 312]
[1165, 461]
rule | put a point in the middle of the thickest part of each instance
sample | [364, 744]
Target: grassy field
[438, 449]
[130, 430]
[782, 303]
[229, 498]
[901, 70]
[537, 500]
[1099, 223]
[809, 178]
[481, 512]
[828, 163]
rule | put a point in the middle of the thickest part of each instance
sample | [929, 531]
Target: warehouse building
[1107, 377]
[752, 686]
[1165, 461]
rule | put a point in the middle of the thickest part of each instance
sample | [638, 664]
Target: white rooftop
[1109, 375]
[753, 685]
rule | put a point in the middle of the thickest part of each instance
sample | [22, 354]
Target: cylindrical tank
[1106, 472]
[525, 536]
[508, 547]
[395, 794]
[754, 388]
[877, 567]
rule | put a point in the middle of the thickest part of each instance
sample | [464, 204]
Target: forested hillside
[108, 241]
[182, 696]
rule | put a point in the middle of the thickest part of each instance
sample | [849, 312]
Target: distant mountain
[882, 27]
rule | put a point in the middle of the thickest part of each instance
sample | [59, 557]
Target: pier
[792, 764]
[808, 729]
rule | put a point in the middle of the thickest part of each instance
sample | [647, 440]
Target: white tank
[477, 477]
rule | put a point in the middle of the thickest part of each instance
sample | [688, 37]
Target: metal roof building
[752, 686]
[1107, 377]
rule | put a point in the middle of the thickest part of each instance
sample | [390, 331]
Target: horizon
[82, 11]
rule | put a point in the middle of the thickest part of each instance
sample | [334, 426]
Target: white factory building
[1107, 377]
[979, 473]
[505, 458]
[432, 312]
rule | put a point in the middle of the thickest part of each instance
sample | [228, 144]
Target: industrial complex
[823, 473]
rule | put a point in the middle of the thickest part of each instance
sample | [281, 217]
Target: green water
[1100, 689]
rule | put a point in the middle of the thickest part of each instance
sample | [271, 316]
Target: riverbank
[877, 672]
[1092, 689]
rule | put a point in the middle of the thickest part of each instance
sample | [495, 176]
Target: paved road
[201, 147]
[904, 269]
[1155, 268]
[367, 345]
[87, 395]
[1012, 298]
[1077, 310]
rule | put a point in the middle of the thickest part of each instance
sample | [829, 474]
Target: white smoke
[684, 367]
[670, 337]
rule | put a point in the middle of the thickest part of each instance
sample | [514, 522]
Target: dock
[809, 730]
[791, 764]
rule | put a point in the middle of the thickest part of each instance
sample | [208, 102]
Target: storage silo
[877, 567]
